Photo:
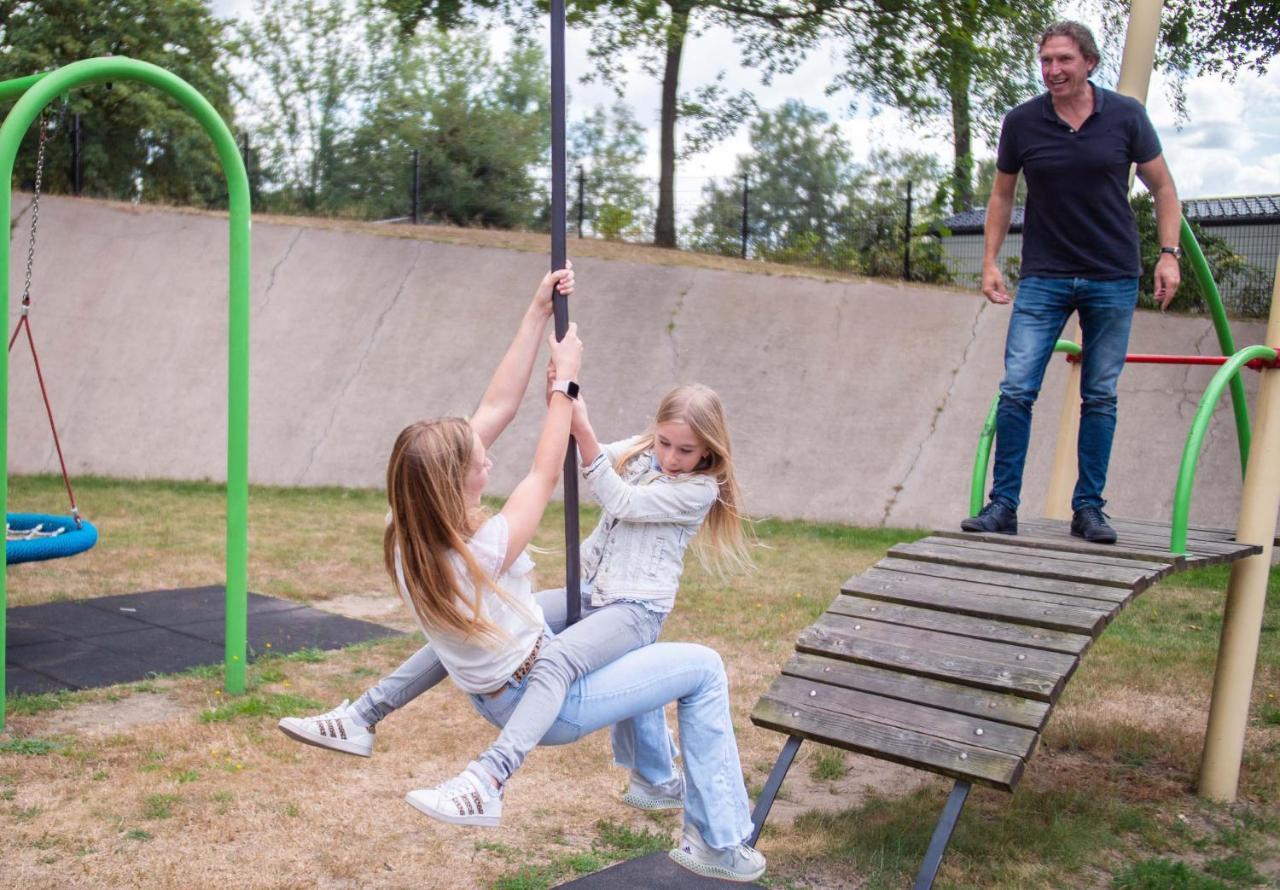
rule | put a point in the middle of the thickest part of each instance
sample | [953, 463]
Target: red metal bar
[1142, 358]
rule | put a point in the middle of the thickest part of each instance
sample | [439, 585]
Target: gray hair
[1081, 34]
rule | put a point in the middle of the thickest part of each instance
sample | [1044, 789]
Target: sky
[1228, 145]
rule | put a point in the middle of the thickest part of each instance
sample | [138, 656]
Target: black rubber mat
[652, 872]
[119, 639]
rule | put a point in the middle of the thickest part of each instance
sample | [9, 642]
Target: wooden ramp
[949, 654]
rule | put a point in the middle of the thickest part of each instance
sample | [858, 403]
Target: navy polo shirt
[1078, 223]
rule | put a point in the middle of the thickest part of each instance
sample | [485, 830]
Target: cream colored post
[1135, 78]
[1247, 590]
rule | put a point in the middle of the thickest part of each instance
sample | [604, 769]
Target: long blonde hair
[723, 538]
[430, 519]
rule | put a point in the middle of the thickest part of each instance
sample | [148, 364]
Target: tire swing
[36, 536]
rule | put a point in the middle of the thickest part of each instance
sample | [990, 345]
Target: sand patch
[102, 718]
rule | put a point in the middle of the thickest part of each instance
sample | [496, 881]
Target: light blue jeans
[1040, 311]
[629, 694]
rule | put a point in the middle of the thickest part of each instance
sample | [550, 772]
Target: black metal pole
[560, 304]
[248, 166]
[77, 182]
[745, 204]
[906, 239]
[416, 204]
[582, 191]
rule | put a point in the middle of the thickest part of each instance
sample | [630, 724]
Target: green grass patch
[1164, 874]
[159, 806]
[28, 747]
[138, 834]
[1235, 870]
[275, 705]
[26, 705]
[828, 766]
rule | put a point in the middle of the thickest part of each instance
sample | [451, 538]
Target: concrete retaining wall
[855, 402]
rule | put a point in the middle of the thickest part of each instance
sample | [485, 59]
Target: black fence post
[415, 202]
[77, 181]
[246, 154]
[582, 192]
[906, 239]
[746, 192]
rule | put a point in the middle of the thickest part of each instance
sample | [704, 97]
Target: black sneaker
[1090, 523]
[995, 517]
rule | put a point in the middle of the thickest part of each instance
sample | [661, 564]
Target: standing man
[1075, 144]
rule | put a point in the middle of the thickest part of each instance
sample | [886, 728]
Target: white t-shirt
[484, 665]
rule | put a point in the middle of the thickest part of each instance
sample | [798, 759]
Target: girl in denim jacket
[659, 492]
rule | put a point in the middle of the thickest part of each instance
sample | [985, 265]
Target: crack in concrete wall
[271, 281]
[671, 322]
[356, 370]
[937, 414]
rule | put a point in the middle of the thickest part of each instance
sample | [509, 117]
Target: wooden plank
[1154, 540]
[855, 606]
[947, 725]
[1110, 597]
[945, 643]
[1012, 709]
[823, 639]
[969, 762]
[979, 602]
[1063, 570]
[1050, 611]
[1067, 544]
[1093, 554]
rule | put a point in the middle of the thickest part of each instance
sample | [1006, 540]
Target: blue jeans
[629, 695]
[1040, 311]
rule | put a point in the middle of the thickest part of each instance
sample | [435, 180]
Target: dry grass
[530, 242]
[136, 786]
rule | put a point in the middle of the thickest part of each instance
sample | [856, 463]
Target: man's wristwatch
[568, 387]
[1176, 251]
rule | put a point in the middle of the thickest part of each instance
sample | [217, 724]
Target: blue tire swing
[37, 536]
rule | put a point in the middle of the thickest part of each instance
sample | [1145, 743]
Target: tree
[967, 61]
[137, 143]
[609, 145]
[811, 204]
[479, 124]
[656, 30]
[312, 66]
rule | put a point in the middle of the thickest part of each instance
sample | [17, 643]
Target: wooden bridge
[949, 654]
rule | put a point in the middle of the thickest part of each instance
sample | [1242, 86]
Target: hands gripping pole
[560, 303]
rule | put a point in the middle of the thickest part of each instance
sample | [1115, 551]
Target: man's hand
[1167, 278]
[993, 286]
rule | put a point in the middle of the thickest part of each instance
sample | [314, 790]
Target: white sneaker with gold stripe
[467, 799]
[336, 730]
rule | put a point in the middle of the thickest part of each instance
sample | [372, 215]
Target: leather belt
[523, 670]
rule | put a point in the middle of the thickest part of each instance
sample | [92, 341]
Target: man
[1075, 144]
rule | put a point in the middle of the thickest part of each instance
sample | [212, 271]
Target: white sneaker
[335, 730]
[643, 796]
[467, 799]
[740, 863]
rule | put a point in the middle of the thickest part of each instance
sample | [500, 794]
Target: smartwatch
[568, 387]
[1176, 251]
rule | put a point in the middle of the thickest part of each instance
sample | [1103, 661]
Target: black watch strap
[1176, 251]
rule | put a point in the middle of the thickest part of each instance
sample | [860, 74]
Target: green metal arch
[35, 92]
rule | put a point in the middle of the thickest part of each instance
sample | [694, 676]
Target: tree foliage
[340, 99]
[609, 146]
[136, 142]
[967, 63]
[810, 203]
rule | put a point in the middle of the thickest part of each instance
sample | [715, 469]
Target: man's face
[1063, 67]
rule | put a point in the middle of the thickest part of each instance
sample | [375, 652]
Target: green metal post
[36, 92]
[978, 483]
[1226, 343]
[1199, 425]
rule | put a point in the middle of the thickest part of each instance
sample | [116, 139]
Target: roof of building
[1245, 210]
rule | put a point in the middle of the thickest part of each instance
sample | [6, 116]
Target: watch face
[572, 390]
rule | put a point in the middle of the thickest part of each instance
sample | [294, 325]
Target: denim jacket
[636, 552]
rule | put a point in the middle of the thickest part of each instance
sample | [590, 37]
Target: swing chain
[35, 214]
